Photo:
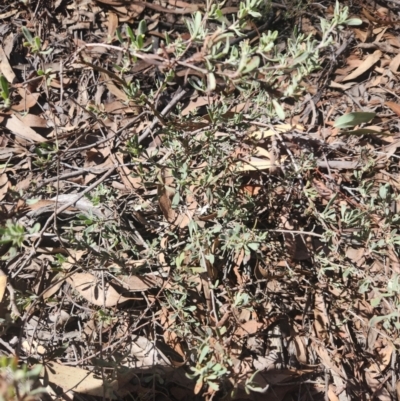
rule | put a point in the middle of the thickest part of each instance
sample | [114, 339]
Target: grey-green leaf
[352, 119]
[279, 110]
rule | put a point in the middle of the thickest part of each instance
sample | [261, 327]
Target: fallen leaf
[321, 322]
[88, 287]
[365, 66]
[3, 185]
[31, 120]
[256, 163]
[78, 380]
[20, 129]
[142, 283]
[394, 107]
[112, 24]
[248, 328]
[395, 63]
[3, 284]
[28, 100]
[5, 67]
[144, 354]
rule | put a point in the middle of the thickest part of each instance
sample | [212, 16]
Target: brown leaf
[51, 290]
[365, 66]
[166, 206]
[301, 350]
[321, 323]
[125, 174]
[118, 93]
[28, 100]
[248, 328]
[142, 283]
[395, 63]
[5, 67]
[3, 185]
[31, 120]
[18, 128]
[112, 24]
[88, 287]
[3, 284]
[78, 380]
[394, 107]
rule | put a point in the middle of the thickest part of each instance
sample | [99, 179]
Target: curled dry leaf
[89, 288]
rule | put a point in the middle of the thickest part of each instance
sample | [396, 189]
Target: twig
[60, 210]
[178, 96]
[94, 145]
[13, 305]
[311, 233]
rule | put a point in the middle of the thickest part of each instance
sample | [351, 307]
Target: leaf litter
[301, 313]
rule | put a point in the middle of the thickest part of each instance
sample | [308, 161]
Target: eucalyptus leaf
[352, 119]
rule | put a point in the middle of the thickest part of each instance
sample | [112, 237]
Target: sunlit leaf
[352, 119]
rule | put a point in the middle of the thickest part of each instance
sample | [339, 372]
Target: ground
[199, 200]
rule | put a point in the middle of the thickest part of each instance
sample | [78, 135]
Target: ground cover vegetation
[199, 200]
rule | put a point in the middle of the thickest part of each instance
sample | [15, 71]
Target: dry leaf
[3, 185]
[248, 328]
[365, 66]
[142, 283]
[394, 107]
[53, 289]
[3, 284]
[331, 394]
[395, 63]
[28, 100]
[18, 128]
[32, 120]
[144, 354]
[5, 67]
[301, 350]
[195, 103]
[88, 287]
[112, 24]
[321, 323]
[78, 380]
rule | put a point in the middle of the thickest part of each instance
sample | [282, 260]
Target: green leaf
[119, 36]
[28, 36]
[353, 22]
[130, 33]
[251, 65]
[352, 119]
[142, 29]
[211, 82]
[4, 87]
[204, 352]
[279, 110]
